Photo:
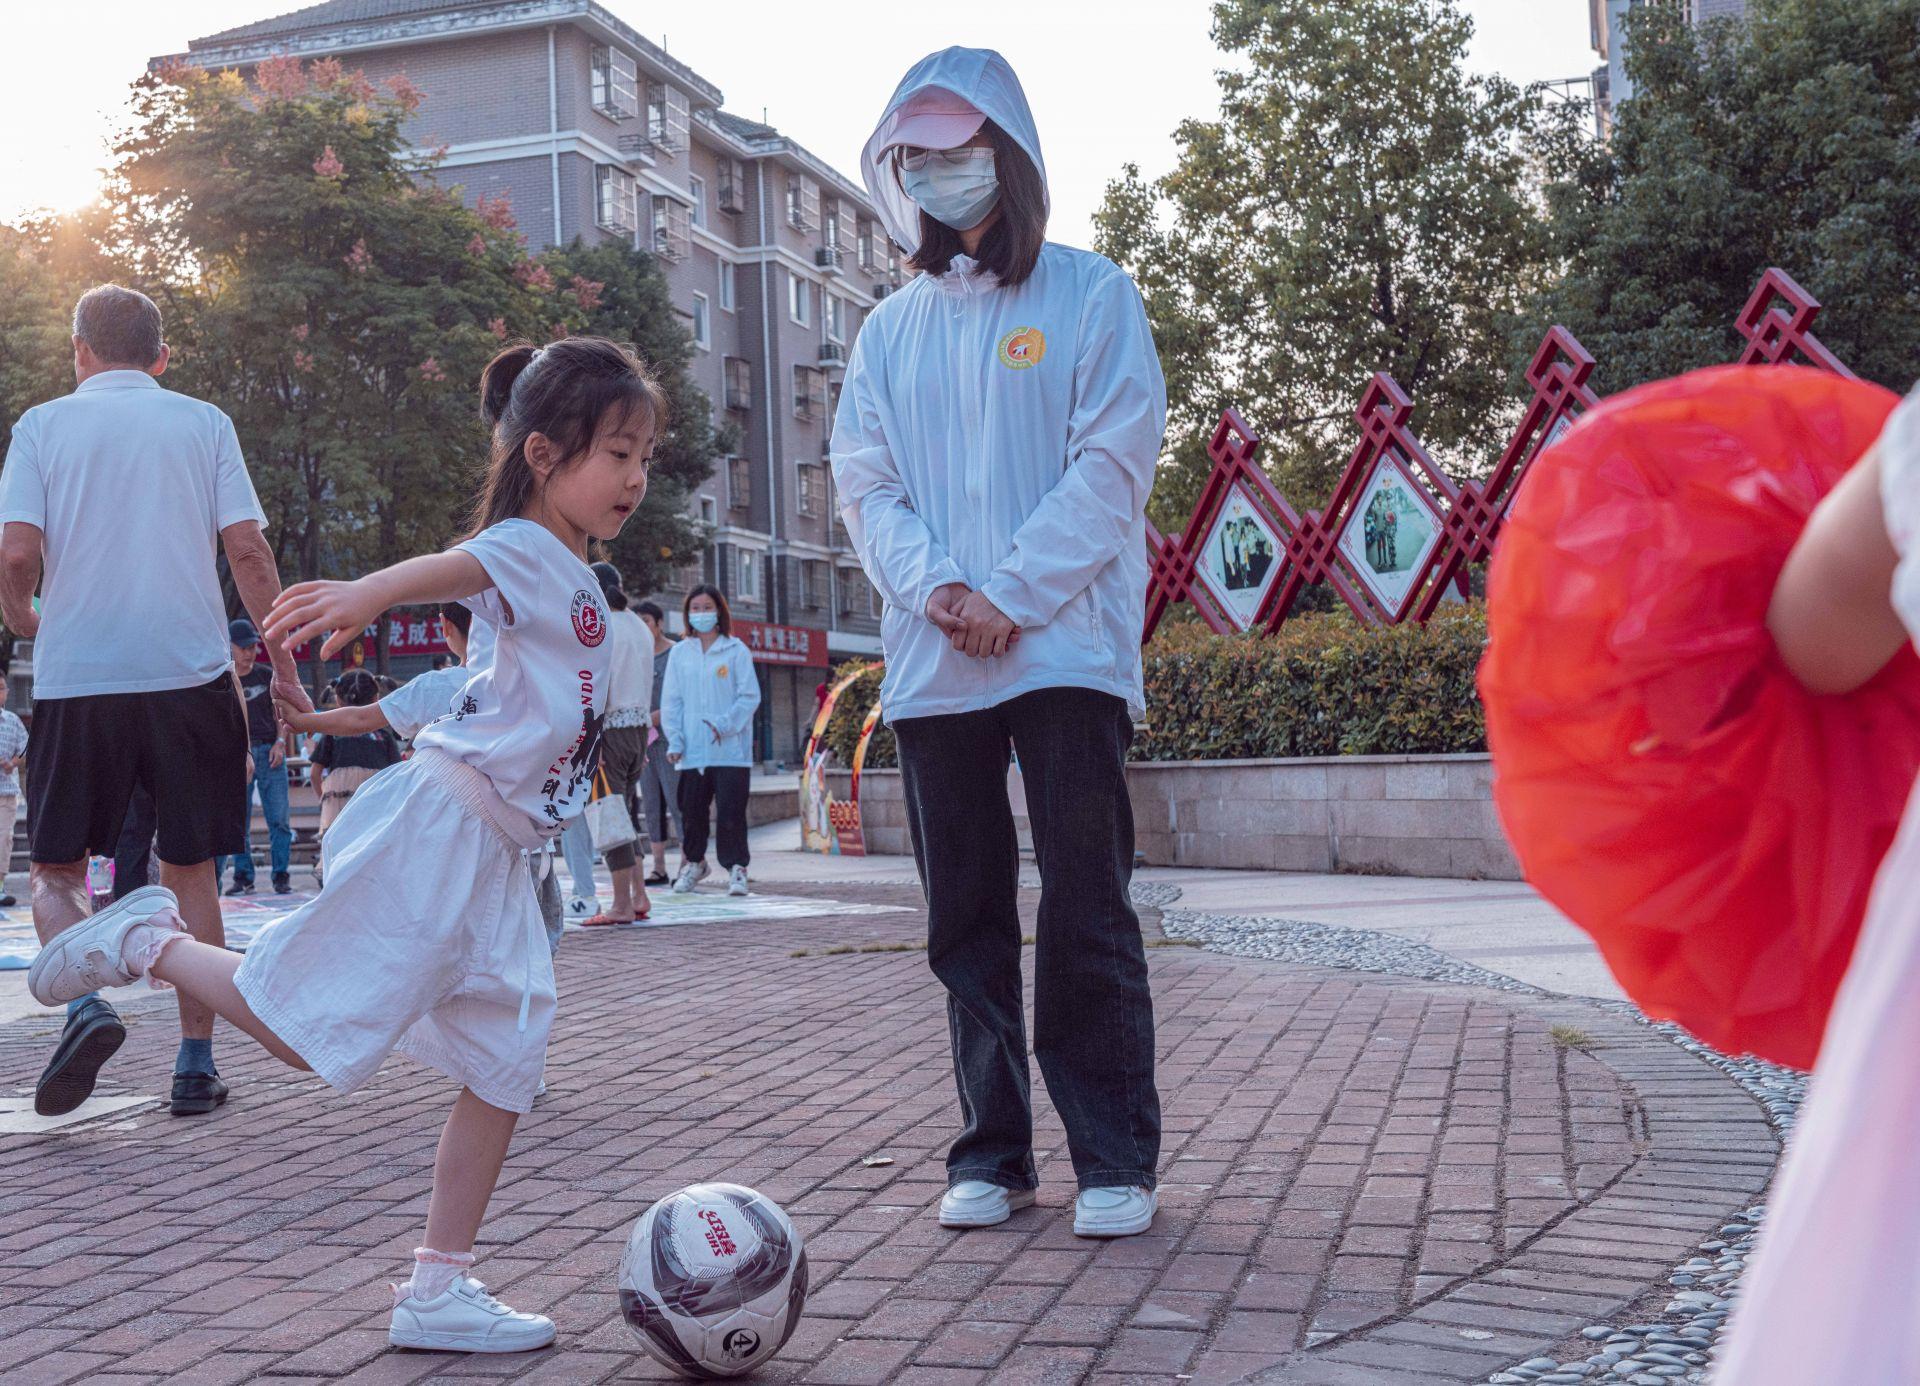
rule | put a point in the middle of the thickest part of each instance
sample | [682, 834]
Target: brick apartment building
[774, 259]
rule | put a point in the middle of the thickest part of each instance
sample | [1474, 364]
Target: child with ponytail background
[426, 936]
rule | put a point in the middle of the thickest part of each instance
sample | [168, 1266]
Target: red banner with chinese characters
[797, 645]
[412, 633]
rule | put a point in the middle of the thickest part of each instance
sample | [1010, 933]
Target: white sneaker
[737, 882]
[976, 1203]
[466, 1319]
[690, 876]
[1113, 1212]
[582, 907]
[87, 956]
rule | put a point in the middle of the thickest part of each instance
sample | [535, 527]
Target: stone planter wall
[1396, 815]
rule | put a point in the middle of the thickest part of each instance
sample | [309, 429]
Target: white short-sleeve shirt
[529, 718]
[131, 484]
[424, 698]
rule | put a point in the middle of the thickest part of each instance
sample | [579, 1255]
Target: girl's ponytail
[496, 381]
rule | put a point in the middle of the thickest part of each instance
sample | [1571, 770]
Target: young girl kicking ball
[423, 939]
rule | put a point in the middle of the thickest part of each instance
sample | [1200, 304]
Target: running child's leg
[473, 1147]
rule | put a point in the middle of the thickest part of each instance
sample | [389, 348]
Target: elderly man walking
[120, 494]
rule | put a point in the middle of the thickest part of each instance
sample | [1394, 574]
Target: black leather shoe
[282, 884]
[7, 902]
[93, 1034]
[239, 888]
[195, 1094]
[659, 878]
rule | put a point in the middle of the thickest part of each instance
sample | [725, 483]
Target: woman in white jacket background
[707, 702]
[996, 439]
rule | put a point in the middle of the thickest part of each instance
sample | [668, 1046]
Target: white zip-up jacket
[1004, 438]
[715, 686]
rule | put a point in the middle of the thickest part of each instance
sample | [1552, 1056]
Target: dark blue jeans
[270, 783]
[1092, 1010]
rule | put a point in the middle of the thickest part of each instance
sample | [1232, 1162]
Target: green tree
[339, 303]
[1785, 139]
[1358, 204]
[46, 263]
[626, 299]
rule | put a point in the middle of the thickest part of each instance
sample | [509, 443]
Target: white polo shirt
[131, 485]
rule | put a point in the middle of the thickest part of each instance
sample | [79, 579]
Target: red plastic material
[1662, 777]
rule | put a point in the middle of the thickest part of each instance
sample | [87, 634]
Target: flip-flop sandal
[603, 921]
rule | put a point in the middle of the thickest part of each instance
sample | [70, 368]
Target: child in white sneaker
[426, 936]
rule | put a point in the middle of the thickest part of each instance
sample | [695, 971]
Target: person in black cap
[269, 746]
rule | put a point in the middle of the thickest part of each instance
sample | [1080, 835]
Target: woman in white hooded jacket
[995, 443]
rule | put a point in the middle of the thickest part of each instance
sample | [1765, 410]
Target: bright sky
[1105, 90]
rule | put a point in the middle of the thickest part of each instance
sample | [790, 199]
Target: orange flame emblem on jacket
[1023, 347]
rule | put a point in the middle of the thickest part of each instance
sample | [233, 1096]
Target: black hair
[568, 391]
[457, 616]
[651, 609]
[120, 325]
[1011, 246]
[610, 588]
[706, 589]
[357, 688]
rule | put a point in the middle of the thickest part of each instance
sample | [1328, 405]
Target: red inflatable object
[1662, 777]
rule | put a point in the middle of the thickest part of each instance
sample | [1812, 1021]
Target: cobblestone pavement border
[1367, 1179]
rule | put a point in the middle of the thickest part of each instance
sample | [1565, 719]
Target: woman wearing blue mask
[995, 443]
[707, 701]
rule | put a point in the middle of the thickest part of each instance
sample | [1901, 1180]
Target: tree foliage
[1358, 204]
[1786, 139]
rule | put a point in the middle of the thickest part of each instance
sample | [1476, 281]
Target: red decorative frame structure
[1777, 323]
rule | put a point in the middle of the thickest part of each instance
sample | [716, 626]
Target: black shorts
[186, 746]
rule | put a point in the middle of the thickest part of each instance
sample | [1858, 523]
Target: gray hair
[121, 326]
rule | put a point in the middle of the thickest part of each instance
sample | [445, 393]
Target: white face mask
[703, 621]
[960, 195]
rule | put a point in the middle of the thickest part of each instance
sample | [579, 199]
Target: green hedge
[1325, 685]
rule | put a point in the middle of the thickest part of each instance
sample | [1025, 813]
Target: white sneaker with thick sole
[690, 876]
[976, 1203]
[737, 881]
[87, 957]
[466, 1319]
[1113, 1212]
[582, 907]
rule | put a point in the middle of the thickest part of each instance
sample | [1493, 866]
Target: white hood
[978, 75]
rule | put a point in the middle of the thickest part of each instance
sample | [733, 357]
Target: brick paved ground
[1366, 1180]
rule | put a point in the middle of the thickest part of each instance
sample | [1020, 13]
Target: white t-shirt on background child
[424, 698]
[546, 668]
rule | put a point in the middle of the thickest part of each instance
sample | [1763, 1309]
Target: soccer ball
[713, 1280]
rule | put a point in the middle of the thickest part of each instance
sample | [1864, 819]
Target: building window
[733, 186]
[853, 591]
[739, 373]
[747, 584]
[739, 483]
[836, 315]
[667, 117]
[830, 221]
[614, 204]
[876, 604]
[616, 83]
[726, 286]
[809, 391]
[812, 579]
[702, 323]
[799, 299]
[672, 229]
[803, 202]
[697, 190]
[708, 512]
[868, 247]
[806, 495]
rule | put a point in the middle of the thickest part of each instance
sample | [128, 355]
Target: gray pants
[660, 793]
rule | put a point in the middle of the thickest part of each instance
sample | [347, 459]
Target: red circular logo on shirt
[588, 623]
